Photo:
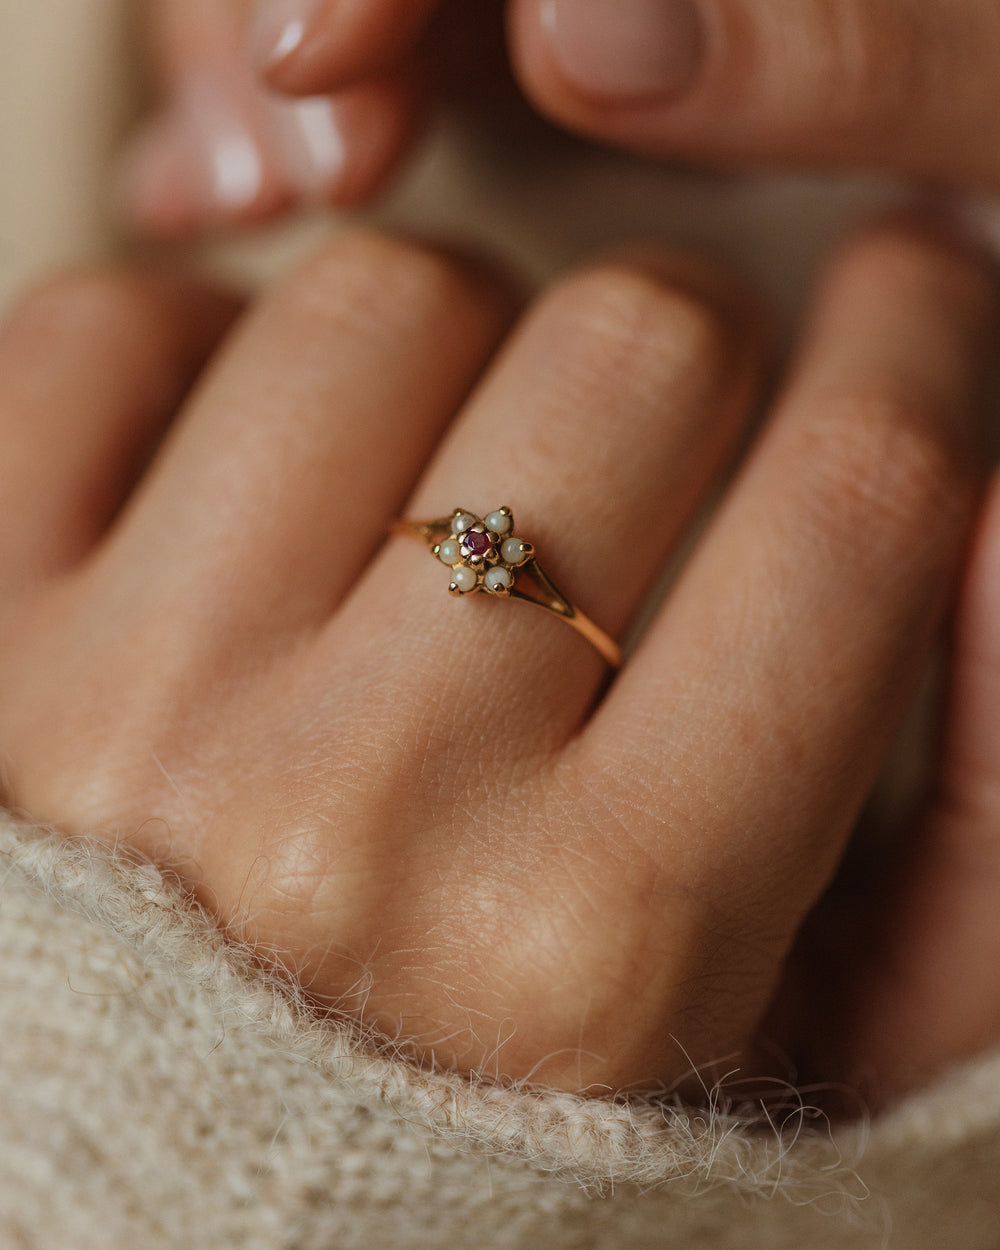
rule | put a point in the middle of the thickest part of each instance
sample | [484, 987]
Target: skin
[441, 815]
[910, 87]
[212, 100]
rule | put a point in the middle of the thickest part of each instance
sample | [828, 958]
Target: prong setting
[486, 554]
[483, 553]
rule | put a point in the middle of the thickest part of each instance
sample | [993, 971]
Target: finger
[908, 85]
[600, 427]
[92, 367]
[308, 433]
[222, 150]
[823, 578]
[310, 46]
[929, 994]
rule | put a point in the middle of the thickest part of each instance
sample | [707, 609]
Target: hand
[910, 87]
[225, 150]
[437, 813]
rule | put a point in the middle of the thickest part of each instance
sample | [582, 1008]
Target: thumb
[909, 86]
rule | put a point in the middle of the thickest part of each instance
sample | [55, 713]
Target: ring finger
[600, 426]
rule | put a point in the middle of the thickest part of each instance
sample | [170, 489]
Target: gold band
[484, 554]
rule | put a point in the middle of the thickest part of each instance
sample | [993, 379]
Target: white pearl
[512, 551]
[465, 579]
[497, 577]
[498, 522]
[463, 522]
[450, 551]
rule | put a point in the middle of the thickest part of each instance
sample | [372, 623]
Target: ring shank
[554, 601]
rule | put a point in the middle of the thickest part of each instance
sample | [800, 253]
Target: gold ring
[484, 554]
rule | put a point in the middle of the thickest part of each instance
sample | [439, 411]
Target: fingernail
[279, 27]
[200, 161]
[307, 134]
[624, 48]
[152, 188]
[223, 144]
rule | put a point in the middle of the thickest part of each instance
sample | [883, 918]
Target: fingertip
[340, 150]
[378, 123]
[186, 173]
[606, 69]
[952, 229]
[732, 295]
[164, 191]
[927, 249]
[151, 191]
[313, 47]
[204, 161]
[840, 85]
[277, 29]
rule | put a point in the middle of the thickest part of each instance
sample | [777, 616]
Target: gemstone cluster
[482, 553]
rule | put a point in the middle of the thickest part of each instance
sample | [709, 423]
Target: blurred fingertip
[962, 237]
[204, 161]
[967, 222]
[175, 179]
[278, 29]
[378, 123]
[151, 191]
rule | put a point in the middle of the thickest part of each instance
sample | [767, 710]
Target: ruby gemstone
[477, 542]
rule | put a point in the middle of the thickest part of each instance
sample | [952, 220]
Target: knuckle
[98, 302]
[886, 466]
[851, 65]
[622, 328]
[376, 283]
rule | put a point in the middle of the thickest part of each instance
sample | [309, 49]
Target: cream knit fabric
[158, 1091]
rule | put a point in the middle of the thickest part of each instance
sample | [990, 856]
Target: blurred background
[74, 77]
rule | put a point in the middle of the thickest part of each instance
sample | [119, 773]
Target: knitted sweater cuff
[168, 943]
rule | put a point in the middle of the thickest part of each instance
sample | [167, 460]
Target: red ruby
[477, 542]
